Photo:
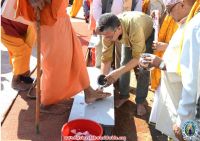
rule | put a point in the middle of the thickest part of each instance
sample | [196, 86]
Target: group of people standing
[177, 88]
[125, 29]
[105, 57]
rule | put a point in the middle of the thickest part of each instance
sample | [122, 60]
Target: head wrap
[171, 2]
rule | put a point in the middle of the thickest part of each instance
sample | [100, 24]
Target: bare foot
[120, 102]
[92, 95]
[141, 110]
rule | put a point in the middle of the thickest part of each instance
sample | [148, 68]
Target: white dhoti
[167, 96]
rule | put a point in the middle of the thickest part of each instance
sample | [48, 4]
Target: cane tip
[37, 129]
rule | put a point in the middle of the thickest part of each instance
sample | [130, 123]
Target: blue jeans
[142, 76]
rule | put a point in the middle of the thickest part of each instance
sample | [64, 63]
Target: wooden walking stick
[37, 118]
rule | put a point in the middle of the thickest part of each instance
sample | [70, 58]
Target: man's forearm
[105, 67]
[129, 66]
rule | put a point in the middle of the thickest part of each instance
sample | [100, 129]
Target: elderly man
[132, 30]
[149, 5]
[59, 50]
[179, 84]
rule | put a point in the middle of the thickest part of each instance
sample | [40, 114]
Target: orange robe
[48, 15]
[168, 27]
[76, 7]
[92, 23]
[63, 64]
[19, 49]
[145, 5]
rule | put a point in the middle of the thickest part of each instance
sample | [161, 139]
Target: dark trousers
[142, 76]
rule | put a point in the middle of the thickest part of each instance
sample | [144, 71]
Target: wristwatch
[162, 65]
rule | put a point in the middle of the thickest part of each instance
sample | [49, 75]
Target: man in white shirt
[189, 61]
[115, 5]
[198, 95]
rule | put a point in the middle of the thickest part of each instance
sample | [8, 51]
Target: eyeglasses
[170, 8]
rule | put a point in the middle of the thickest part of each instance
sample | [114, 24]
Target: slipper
[26, 79]
[32, 91]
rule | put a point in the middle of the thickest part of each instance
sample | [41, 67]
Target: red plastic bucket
[81, 125]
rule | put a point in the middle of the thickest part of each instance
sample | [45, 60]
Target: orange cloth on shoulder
[168, 27]
[76, 7]
[48, 14]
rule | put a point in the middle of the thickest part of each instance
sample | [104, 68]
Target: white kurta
[189, 70]
[170, 88]
[117, 8]
[198, 85]
[178, 94]
[171, 60]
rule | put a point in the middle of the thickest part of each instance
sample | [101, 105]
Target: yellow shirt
[137, 28]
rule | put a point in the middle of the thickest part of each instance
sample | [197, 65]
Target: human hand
[159, 46]
[38, 4]
[112, 77]
[149, 60]
[153, 14]
[177, 132]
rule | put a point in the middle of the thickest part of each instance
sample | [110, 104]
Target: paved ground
[19, 123]
[8, 95]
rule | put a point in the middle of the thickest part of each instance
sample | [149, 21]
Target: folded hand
[177, 132]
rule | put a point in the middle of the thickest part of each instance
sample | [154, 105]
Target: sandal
[32, 92]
